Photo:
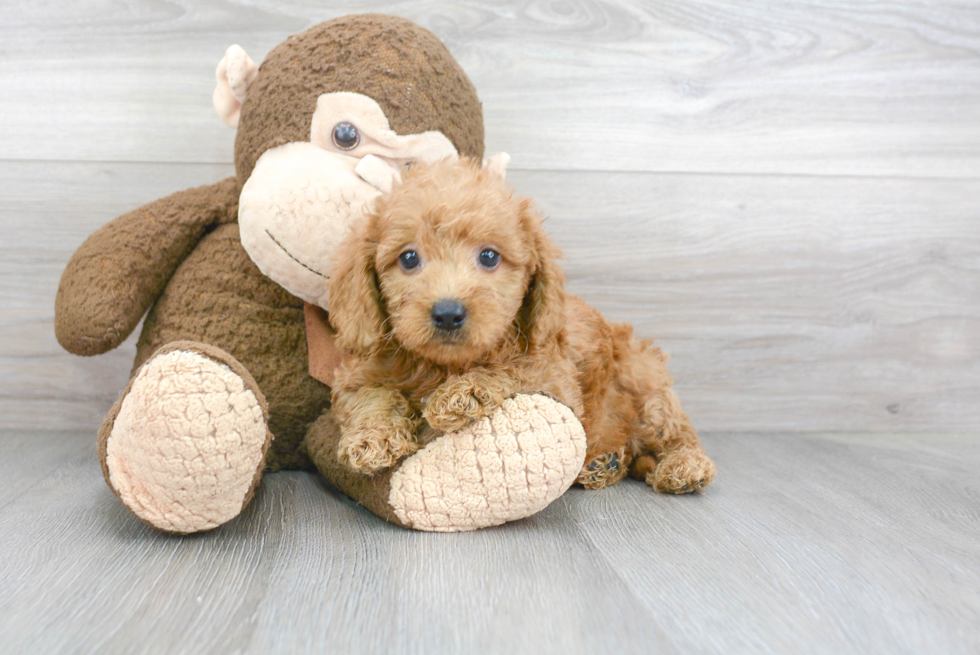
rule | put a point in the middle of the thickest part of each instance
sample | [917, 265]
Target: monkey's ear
[355, 298]
[497, 164]
[236, 72]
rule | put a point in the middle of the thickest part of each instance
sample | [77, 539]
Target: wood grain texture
[787, 303]
[46, 211]
[824, 543]
[807, 87]
[785, 194]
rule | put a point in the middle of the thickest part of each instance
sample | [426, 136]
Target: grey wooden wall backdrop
[786, 194]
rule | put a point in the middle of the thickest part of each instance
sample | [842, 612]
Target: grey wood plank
[809, 87]
[46, 211]
[847, 543]
[828, 293]
[302, 569]
[791, 303]
[437, 594]
[824, 543]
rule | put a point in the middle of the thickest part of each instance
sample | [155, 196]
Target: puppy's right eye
[409, 260]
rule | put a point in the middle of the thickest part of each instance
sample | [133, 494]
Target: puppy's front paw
[682, 472]
[458, 402]
[372, 447]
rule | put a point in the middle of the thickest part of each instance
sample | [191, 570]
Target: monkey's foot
[500, 468]
[184, 446]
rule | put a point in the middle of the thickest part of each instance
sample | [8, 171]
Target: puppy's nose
[448, 315]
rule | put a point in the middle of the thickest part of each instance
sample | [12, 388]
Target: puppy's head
[448, 265]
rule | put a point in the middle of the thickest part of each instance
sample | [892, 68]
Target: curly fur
[523, 334]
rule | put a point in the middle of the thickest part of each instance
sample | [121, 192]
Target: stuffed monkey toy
[232, 278]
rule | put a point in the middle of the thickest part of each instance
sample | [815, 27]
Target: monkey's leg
[184, 446]
[500, 468]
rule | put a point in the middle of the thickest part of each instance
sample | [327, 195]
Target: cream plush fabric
[236, 72]
[186, 444]
[530, 452]
[303, 197]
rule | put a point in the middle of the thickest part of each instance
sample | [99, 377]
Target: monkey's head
[326, 124]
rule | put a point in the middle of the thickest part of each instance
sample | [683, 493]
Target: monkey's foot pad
[501, 468]
[184, 446]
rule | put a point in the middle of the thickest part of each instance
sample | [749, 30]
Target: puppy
[449, 300]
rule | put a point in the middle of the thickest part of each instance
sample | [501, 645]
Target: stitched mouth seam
[291, 256]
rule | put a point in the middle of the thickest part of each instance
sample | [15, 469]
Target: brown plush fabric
[123, 266]
[218, 296]
[402, 66]
[181, 256]
[371, 491]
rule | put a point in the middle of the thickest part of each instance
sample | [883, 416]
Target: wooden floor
[786, 195]
[823, 543]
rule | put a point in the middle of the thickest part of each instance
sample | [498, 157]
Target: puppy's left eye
[409, 260]
[489, 258]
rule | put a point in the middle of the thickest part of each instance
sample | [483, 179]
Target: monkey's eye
[345, 136]
[489, 258]
[408, 260]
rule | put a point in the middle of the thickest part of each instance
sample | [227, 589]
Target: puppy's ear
[542, 316]
[355, 298]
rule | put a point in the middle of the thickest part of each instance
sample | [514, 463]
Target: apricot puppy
[449, 300]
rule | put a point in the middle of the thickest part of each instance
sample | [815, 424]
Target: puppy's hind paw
[604, 470]
[682, 472]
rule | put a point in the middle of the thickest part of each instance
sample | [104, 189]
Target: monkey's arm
[117, 273]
